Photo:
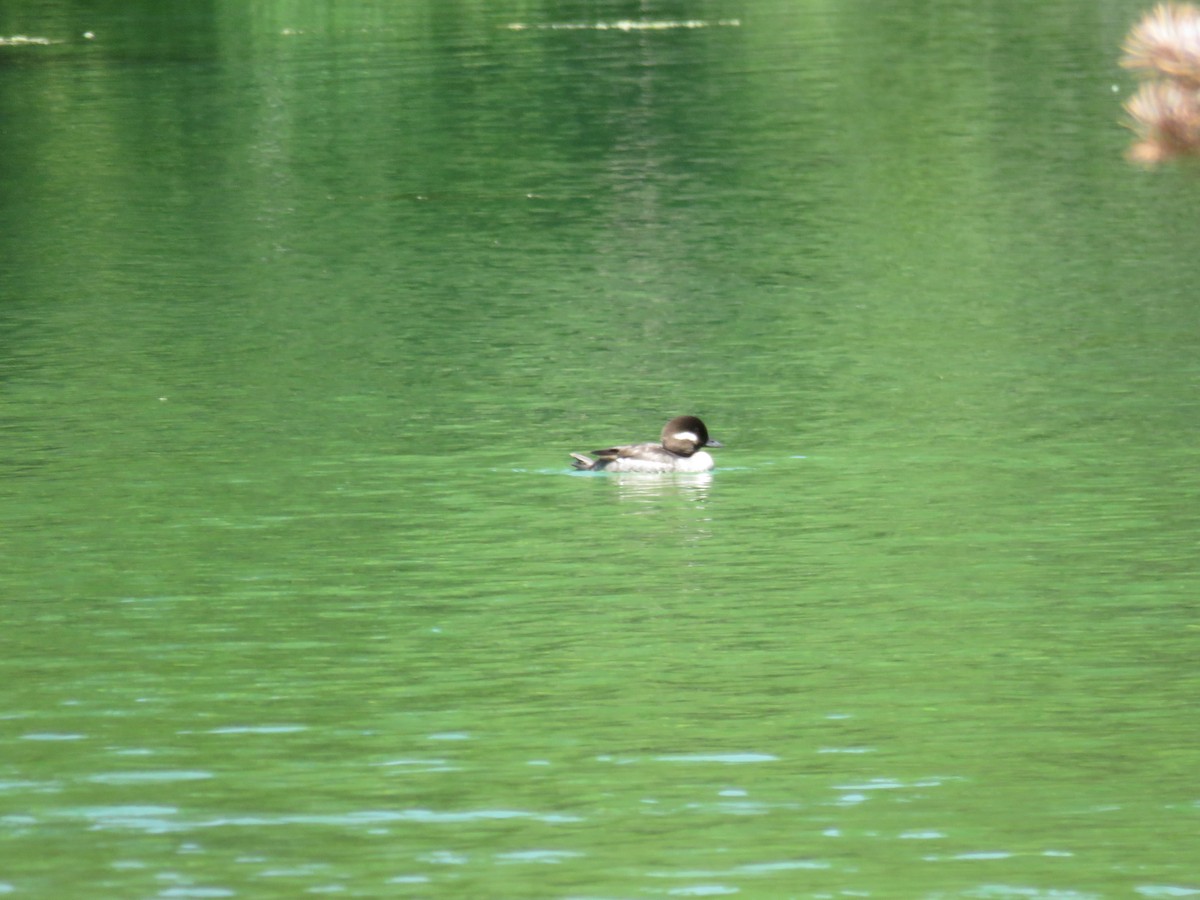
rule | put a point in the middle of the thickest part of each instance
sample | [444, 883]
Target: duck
[680, 449]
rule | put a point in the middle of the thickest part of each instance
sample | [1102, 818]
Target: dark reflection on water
[303, 314]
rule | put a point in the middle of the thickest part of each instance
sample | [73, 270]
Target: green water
[302, 309]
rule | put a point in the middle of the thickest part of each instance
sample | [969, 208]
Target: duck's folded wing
[635, 450]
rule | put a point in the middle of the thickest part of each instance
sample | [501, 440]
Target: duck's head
[685, 435]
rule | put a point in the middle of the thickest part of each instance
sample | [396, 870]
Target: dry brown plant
[1165, 47]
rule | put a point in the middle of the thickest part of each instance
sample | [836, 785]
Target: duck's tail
[581, 462]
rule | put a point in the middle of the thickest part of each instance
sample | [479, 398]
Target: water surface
[302, 311]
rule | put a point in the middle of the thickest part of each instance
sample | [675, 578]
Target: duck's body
[680, 450]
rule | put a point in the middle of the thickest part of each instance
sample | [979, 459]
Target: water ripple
[728, 758]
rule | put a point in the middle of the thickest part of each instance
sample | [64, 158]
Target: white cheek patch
[687, 436]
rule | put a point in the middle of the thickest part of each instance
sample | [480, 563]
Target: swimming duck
[680, 450]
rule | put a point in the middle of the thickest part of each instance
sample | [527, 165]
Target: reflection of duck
[1166, 112]
[680, 451]
[647, 489]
